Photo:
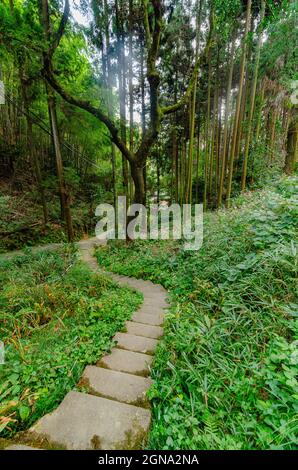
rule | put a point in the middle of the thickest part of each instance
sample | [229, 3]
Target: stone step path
[115, 385]
[113, 411]
[87, 422]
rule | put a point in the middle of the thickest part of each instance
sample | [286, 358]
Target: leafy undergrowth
[56, 317]
[21, 219]
[226, 371]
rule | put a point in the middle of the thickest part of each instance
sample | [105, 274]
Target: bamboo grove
[192, 101]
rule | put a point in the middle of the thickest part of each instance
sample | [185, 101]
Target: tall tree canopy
[190, 100]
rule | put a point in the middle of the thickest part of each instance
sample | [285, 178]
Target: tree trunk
[207, 133]
[31, 151]
[260, 112]
[213, 153]
[130, 79]
[107, 79]
[158, 179]
[241, 120]
[272, 129]
[182, 170]
[64, 196]
[252, 102]
[173, 165]
[122, 89]
[198, 154]
[238, 104]
[193, 109]
[138, 179]
[36, 166]
[292, 148]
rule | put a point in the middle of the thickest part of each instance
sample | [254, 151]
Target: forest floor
[21, 220]
[225, 371]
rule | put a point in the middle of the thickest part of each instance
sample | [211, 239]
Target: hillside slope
[226, 371]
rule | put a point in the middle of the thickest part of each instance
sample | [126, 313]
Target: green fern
[211, 426]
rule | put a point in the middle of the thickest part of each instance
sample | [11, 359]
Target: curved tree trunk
[137, 174]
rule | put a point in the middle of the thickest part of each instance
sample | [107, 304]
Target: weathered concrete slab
[86, 422]
[126, 388]
[90, 243]
[144, 286]
[155, 320]
[91, 262]
[126, 281]
[153, 292]
[136, 343]
[151, 302]
[118, 277]
[156, 311]
[157, 289]
[127, 361]
[140, 329]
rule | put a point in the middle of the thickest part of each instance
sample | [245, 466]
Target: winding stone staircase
[114, 413]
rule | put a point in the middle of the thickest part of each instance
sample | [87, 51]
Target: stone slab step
[86, 422]
[127, 281]
[117, 277]
[155, 303]
[146, 286]
[156, 311]
[126, 388]
[154, 320]
[156, 293]
[90, 243]
[139, 329]
[136, 343]
[153, 291]
[127, 361]
[156, 298]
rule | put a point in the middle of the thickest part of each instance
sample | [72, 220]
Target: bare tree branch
[87, 106]
[50, 77]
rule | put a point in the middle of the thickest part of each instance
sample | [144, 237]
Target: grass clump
[225, 374]
[56, 317]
